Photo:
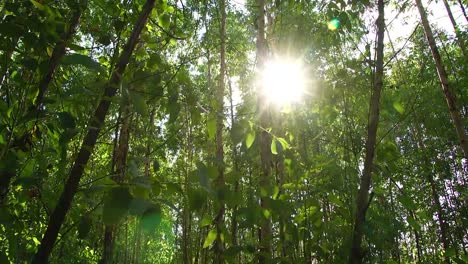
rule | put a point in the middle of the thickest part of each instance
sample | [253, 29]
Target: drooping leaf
[399, 107]
[116, 205]
[139, 103]
[84, 227]
[211, 126]
[273, 147]
[156, 165]
[66, 120]
[37, 5]
[210, 238]
[407, 202]
[164, 20]
[249, 140]
[151, 218]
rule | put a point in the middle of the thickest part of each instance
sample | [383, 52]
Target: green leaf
[37, 5]
[399, 107]
[249, 140]
[66, 120]
[78, 59]
[407, 202]
[151, 218]
[413, 223]
[206, 221]
[84, 227]
[165, 20]
[283, 142]
[210, 238]
[156, 165]
[196, 199]
[273, 147]
[450, 252]
[139, 102]
[211, 125]
[116, 205]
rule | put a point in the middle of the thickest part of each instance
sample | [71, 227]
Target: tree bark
[219, 220]
[443, 77]
[120, 165]
[463, 10]
[434, 193]
[460, 41]
[94, 126]
[362, 201]
[265, 232]
[57, 54]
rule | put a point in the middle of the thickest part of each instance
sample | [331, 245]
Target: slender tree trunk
[463, 9]
[434, 193]
[460, 41]
[219, 220]
[95, 124]
[57, 54]
[265, 232]
[443, 77]
[362, 201]
[120, 163]
[234, 224]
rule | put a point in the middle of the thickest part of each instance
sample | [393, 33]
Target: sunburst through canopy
[283, 81]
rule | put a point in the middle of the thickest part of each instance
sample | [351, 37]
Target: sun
[283, 82]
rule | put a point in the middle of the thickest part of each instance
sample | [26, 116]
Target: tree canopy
[233, 131]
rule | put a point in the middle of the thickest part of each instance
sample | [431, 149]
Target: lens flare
[333, 24]
[283, 81]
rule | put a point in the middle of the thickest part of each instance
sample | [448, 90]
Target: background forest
[147, 131]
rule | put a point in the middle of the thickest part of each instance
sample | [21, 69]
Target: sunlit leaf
[273, 147]
[249, 140]
[210, 238]
[399, 107]
[211, 126]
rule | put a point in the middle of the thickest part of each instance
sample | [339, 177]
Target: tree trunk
[362, 201]
[219, 220]
[463, 10]
[95, 124]
[234, 224]
[443, 77]
[460, 41]
[120, 164]
[265, 233]
[57, 54]
[434, 193]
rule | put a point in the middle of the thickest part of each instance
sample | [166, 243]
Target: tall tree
[219, 220]
[265, 232]
[460, 40]
[445, 83]
[362, 200]
[94, 126]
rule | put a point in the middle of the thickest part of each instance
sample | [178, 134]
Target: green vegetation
[186, 131]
